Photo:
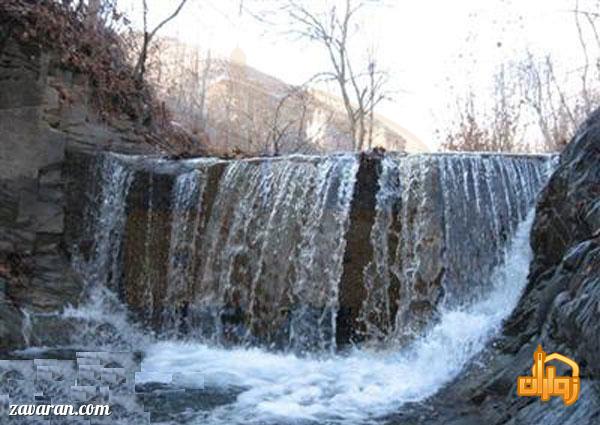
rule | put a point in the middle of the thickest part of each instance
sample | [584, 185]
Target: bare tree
[279, 126]
[361, 88]
[288, 127]
[204, 85]
[97, 14]
[140, 67]
[506, 112]
[478, 127]
[588, 19]
[584, 49]
[558, 103]
[377, 83]
[556, 112]
[467, 132]
[182, 74]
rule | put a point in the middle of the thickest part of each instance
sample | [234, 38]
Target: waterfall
[252, 252]
[441, 224]
[240, 252]
[240, 265]
[105, 222]
[353, 389]
[101, 320]
[503, 190]
[273, 250]
[187, 210]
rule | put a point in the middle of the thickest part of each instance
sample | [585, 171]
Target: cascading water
[104, 224]
[252, 252]
[242, 252]
[187, 209]
[272, 252]
[355, 388]
[101, 322]
[242, 257]
[441, 224]
[483, 204]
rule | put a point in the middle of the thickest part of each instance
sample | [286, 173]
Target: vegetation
[531, 108]
[362, 86]
[95, 40]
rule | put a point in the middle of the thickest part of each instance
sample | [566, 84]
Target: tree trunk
[205, 72]
[360, 138]
[140, 68]
[93, 13]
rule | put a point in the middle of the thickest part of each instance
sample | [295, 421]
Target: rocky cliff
[44, 113]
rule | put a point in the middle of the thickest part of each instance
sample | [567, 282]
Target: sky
[432, 49]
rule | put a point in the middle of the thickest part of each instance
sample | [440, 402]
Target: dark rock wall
[146, 244]
[33, 270]
[358, 249]
[43, 114]
[563, 294]
[561, 306]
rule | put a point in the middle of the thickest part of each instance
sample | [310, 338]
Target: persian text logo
[544, 383]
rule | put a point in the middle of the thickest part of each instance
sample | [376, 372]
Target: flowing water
[273, 252]
[354, 388]
[442, 224]
[105, 222]
[226, 276]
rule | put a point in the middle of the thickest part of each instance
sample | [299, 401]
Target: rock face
[33, 271]
[358, 252]
[563, 296]
[43, 114]
[559, 308]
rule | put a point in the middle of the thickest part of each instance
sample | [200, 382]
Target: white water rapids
[353, 388]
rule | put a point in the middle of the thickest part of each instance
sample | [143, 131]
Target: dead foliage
[100, 52]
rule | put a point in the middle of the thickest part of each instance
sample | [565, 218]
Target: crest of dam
[297, 253]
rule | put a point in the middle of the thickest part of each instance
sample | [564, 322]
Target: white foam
[345, 389]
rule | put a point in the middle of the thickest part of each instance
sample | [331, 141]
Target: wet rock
[172, 403]
[43, 217]
[11, 324]
[39, 210]
[358, 249]
[48, 285]
[564, 275]
[146, 244]
[572, 320]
